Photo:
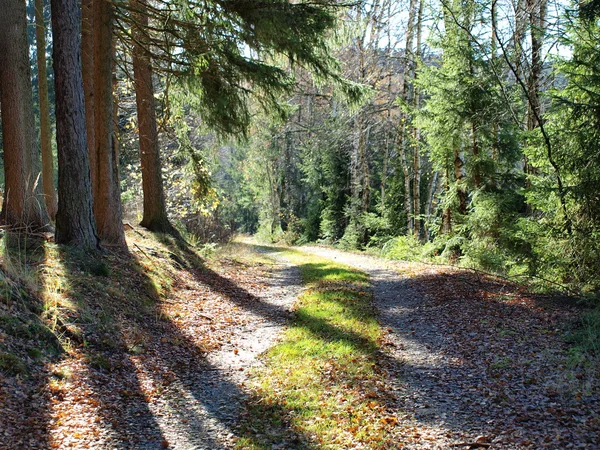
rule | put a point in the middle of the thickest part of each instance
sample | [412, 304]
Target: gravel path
[464, 377]
[199, 413]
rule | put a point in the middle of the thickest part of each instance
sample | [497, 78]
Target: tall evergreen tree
[24, 206]
[45, 131]
[75, 224]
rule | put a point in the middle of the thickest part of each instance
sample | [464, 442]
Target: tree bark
[24, 207]
[45, 132]
[405, 94]
[417, 133]
[107, 199]
[87, 65]
[75, 223]
[155, 213]
[458, 175]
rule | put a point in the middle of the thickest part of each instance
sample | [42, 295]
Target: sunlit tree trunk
[155, 212]
[45, 132]
[404, 131]
[75, 224]
[417, 133]
[24, 207]
[107, 200]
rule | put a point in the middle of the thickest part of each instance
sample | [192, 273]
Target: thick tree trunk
[75, 223]
[107, 200]
[24, 207]
[155, 212]
[45, 132]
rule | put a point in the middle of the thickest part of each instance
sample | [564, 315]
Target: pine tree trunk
[447, 213]
[417, 133]
[404, 131]
[75, 223]
[433, 183]
[87, 65]
[24, 207]
[107, 200]
[45, 132]
[458, 175]
[155, 212]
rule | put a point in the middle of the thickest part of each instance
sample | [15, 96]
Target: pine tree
[24, 206]
[75, 224]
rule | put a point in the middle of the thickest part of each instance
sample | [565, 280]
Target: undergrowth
[55, 299]
[321, 386]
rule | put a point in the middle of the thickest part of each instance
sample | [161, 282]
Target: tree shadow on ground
[25, 343]
[136, 378]
[498, 362]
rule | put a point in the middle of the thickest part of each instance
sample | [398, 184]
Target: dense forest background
[454, 131]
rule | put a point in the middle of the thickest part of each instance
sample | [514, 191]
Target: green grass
[320, 386]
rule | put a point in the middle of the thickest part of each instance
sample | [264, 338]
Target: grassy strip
[321, 387]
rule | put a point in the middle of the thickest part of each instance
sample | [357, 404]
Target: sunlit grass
[320, 384]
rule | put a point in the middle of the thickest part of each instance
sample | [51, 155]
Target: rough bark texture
[87, 64]
[75, 223]
[107, 199]
[45, 132]
[155, 213]
[24, 208]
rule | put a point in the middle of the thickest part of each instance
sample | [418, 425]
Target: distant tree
[45, 131]
[24, 207]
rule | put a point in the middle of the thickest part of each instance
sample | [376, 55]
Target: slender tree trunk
[458, 175]
[107, 201]
[404, 132]
[87, 64]
[447, 213]
[45, 132]
[75, 223]
[417, 133]
[494, 50]
[155, 213]
[433, 183]
[24, 207]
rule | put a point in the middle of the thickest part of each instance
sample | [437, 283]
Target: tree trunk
[155, 213]
[458, 175]
[87, 65]
[24, 207]
[75, 223]
[447, 213]
[417, 133]
[45, 132]
[107, 199]
[404, 131]
[430, 196]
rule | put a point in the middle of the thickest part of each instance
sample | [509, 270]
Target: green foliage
[405, 248]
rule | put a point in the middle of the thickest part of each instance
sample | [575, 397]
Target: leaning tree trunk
[45, 132]
[24, 208]
[107, 199]
[75, 223]
[155, 212]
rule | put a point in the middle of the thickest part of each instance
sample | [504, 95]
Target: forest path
[476, 362]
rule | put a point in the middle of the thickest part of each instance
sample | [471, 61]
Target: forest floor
[160, 348]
